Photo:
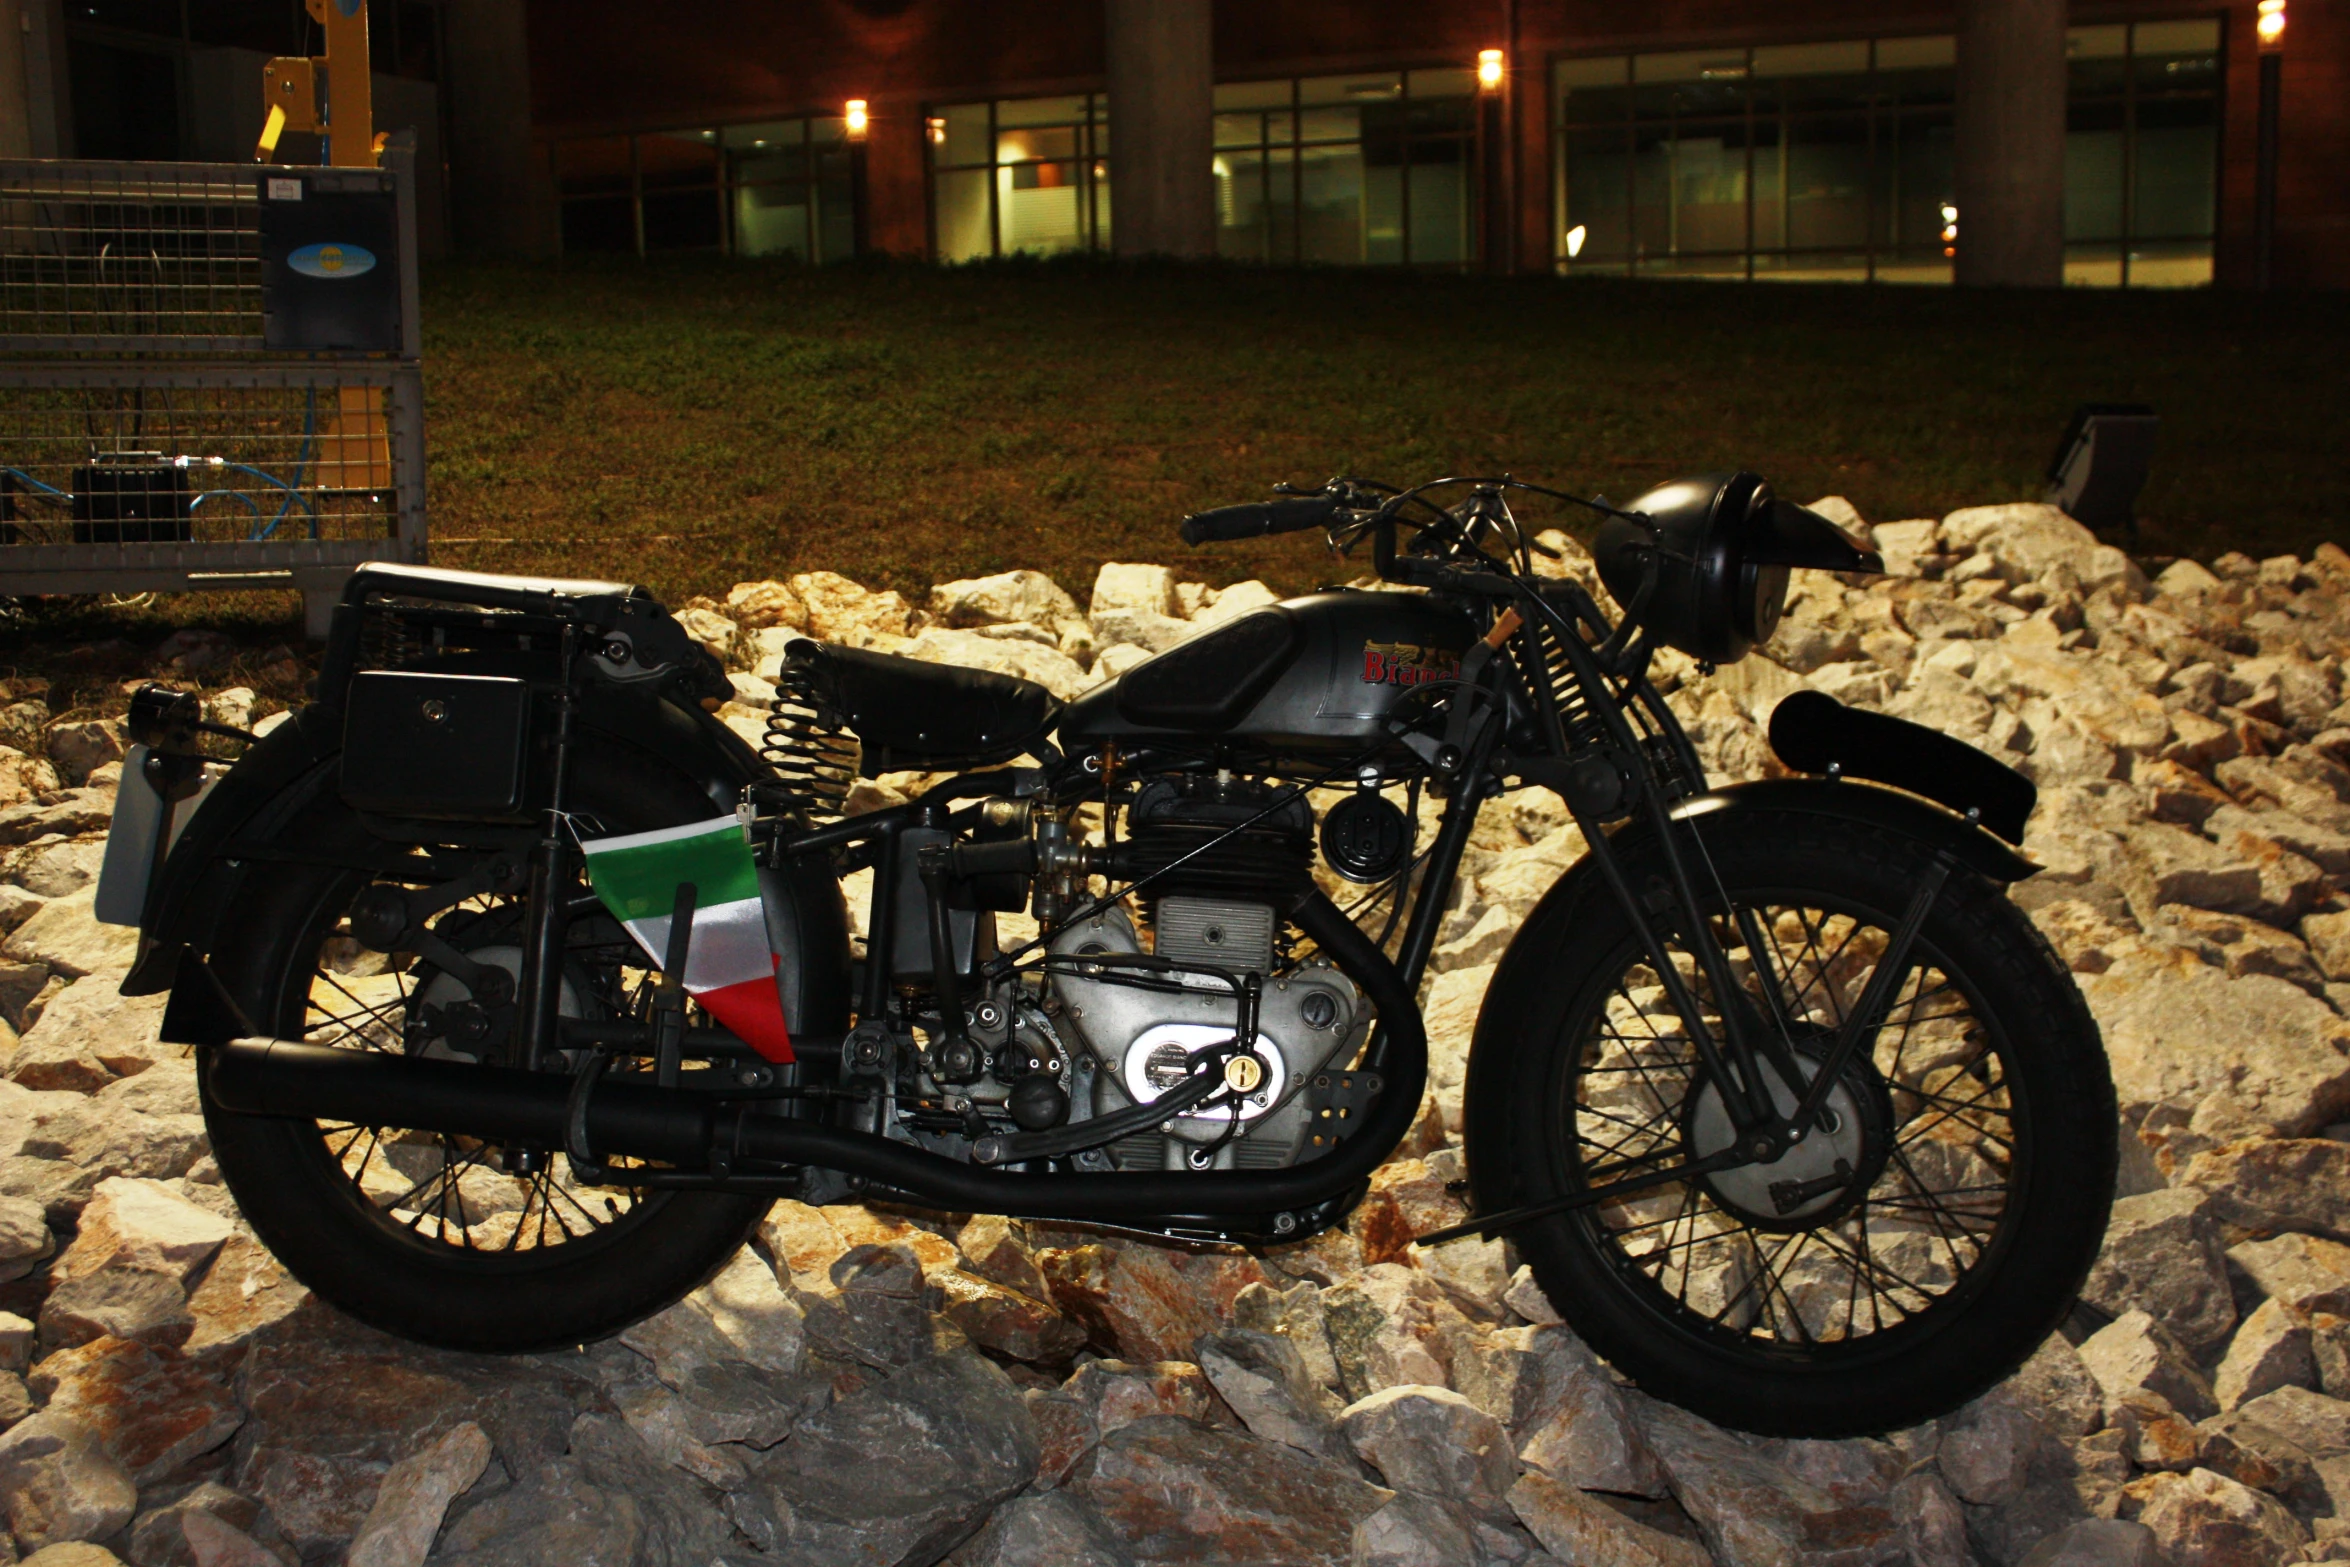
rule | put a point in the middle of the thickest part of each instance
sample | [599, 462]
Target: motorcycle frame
[1476, 774]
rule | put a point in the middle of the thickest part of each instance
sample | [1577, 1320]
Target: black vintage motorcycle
[1797, 1119]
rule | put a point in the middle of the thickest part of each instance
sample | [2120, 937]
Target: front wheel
[1911, 1252]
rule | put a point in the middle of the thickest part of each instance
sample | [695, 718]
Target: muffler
[697, 1131]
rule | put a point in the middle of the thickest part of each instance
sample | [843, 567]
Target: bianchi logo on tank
[1408, 664]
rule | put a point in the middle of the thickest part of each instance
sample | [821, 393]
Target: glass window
[1594, 91]
[1254, 95]
[1834, 159]
[966, 221]
[1421, 86]
[596, 179]
[779, 188]
[1370, 167]
[2097, 61]
[1596, 171]
[1244, 203]
[1330, 204]
[1809, 77]
[1689, 83]
[1349, 89]
[1915, 189]
[2096, 159]
[1019, 176]
[1040, 111]
[1917, 70]
[1913, 54]
[959, 135]
[1330, 124]
[677, 175]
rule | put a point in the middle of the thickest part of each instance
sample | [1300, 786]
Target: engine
[1218, 857]
[1215, 909]
[1139, 1039]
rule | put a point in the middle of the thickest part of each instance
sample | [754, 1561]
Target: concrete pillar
[1162, 84]
[16, 121]
[2010, 143]
[500, 198]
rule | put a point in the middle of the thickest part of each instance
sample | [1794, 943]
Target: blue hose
[234, 495]
[37, 485]
[293, 498]
[301, 461]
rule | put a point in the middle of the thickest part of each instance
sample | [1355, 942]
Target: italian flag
[729, 968]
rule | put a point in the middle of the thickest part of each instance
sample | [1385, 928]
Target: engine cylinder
[1177, 839]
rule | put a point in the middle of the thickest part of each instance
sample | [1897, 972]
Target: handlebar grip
[1258, 519]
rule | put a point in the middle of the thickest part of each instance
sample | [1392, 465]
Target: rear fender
[293, 771]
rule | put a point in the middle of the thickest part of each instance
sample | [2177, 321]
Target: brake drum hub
[1831, 1168]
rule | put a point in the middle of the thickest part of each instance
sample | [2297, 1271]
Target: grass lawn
[692, 423]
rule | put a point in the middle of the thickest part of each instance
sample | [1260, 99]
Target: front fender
[1727, 810]
[1855, 800]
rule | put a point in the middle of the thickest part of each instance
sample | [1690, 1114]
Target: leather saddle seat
[909, 714]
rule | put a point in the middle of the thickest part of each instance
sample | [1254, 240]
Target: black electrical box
[131, 498]
[330, 261]
[437, 745]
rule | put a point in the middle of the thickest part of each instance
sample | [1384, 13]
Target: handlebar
[1256, 520]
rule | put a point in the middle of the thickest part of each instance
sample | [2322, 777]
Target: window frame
[1886, 116]
[1466, 139]
[1091, 160]
[723, 189]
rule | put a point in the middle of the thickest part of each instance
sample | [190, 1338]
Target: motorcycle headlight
[1720, 546]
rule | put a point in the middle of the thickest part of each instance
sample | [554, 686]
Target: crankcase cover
[1306, 1020]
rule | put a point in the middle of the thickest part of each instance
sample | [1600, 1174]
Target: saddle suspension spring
[814, 758]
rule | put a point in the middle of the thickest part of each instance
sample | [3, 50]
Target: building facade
[1736, 139]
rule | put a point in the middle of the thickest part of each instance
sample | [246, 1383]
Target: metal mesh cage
[131, 463]
[147, 440]
[129, 256]
[160, 475]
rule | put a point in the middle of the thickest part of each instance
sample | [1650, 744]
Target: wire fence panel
[127, 256]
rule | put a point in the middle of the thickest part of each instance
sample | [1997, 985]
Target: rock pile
[862, 1387]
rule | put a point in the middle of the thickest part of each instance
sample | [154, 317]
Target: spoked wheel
[1930, 1229]
[458, 1190]
[445, 1239]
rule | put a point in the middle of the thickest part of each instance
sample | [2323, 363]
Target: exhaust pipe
[690, 1129]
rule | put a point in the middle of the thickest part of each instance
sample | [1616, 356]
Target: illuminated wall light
[938, 131]
[853, 114]
[2271, 24]
[1489, 69]
[1575, 238]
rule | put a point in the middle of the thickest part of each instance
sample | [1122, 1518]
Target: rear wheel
[1903, 1258]
[448, 1240]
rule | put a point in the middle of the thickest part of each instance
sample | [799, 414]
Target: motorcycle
[1796, 1118]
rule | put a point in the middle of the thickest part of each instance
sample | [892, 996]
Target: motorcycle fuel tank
[1312, 676]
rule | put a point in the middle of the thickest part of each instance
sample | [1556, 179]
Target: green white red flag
[729, 965]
